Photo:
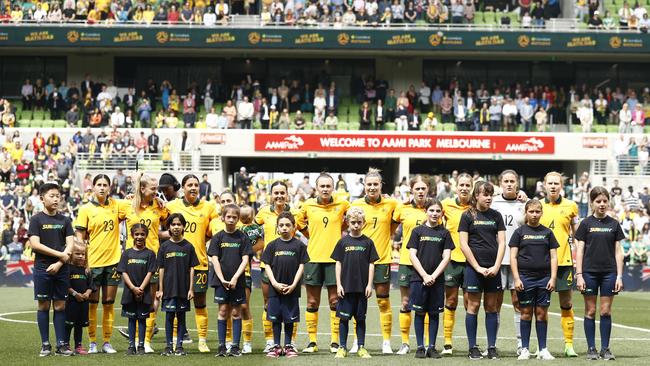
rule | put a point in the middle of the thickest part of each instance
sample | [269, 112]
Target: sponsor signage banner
[318, 39]
[380, 143]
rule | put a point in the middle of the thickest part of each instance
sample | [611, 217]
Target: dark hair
[140, 226]
[227, 191]
[597, 191]
[279, 183]
[531, 202]
[101, 176]
[508, 171]
[482, 186]
[286, 215]
[45, 187]
[433, 202]
[176, 215]
[188, 177]
[230, 207]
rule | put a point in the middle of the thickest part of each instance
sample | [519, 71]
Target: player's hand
[522, 196]
[519, 286]
[492, 271]
[580, 284]
[233, 283]
[159, 295]
[619, 285]
[429, 280]
[279, 287]
[64, 257]
[79, 297]
[190, 294]
[130, 197]
[368, 291]
[340, 292]
[225, 284]
[138, 291]
[289, 289]
[160, 201]
[550, 286]
[54, 268]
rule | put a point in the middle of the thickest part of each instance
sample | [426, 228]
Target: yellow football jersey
[379, 219]
[197, 226]
[453, 210]
[151, 217]
[324, 222]
[410, 217]
[560, 216]
[101, 223]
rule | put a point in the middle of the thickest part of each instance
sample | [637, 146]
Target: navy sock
[541, 327]
[59, 326]
[43, 320]
[132, 322]
[236, 331]
[222, 325]
[142, 331]
[526, 326]
[590, 332]
[78, 335]
[471, 325]
[68, 332]
[605, 330]
[361, 332]
[169, 328]
[182, 329]
[491, 328]
[277, 332]
[434, 321]
[418, 325]
[288, 332]
[344, 327]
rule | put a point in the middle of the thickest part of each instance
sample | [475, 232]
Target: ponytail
[140, 180]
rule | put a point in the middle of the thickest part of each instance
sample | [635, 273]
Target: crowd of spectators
[622, 15]
[372, 103]
[280, 12]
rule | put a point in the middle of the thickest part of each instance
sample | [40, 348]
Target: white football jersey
[513, 214]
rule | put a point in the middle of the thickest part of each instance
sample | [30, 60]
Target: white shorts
[507, 281]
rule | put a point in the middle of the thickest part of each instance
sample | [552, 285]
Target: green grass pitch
[630, 337]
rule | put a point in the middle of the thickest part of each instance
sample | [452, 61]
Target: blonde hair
[373, 173]
[78, 245]
[553, 173]
[355, 213]
[246, 214]
[140, 181]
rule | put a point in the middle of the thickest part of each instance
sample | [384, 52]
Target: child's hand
[519, 285]
[289, 289]
[159, 295]
[233, 283]
[279, 287]
[340, 292]
[368, 291]
[79, 297]
[190, 294]
[54, 268]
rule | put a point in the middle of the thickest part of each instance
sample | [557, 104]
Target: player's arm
[296, 279]
[371, 273]
[446, 258]
[551, 283]
[258, 245]
[514, 268]
[580, 253]
[38, 247]
[161, 281]
[413, 255]
[77, 296]
[463, 237]
[190, 293]
[129, 284]
[501, 242]
[339, 286]
[217, 268]
[242, 267]
[619, 266]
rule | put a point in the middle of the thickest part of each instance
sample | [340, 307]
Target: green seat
[646, 129]
[309, 126]
[600, 128]
[390, 126]
[59, 123]
[23, 123]
[612, 129]
[48, 123]
[343, 126]
[257, 125]
[38, 115]
[354, 126]
[490, 17]
[150, 165]
[36, 123]
[576, 128]
[449, 127]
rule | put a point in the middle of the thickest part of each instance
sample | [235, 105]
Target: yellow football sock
[295, 333]
[247, 330]
[567, 325]
[268, 327]
[201, 317]
[107, 321]
[334, 327]
[151, 321]
[426, 329]
[229, 330]
[92, 321]
[405, 325]
[311, 319]
[385, 317]
[175, 330]
[448, 324]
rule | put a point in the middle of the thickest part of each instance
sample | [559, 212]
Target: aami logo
[292, 142]
[532, 144]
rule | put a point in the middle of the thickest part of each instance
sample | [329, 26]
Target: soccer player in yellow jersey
[97, 225]
[561, 216]
[453, 208]
[267, 216]
[325, 218]
[198, 215]
[145, 209]
[410, 216]
[379, 227]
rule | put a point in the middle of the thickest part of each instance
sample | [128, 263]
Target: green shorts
[249, 282]
[200, 281]
[564, 280]
[106, 276]
[155, 277]
[382, 273]
[405, 272]
[455, 274]
[320, 274]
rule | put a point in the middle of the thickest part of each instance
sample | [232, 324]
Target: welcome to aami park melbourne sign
[322, 38]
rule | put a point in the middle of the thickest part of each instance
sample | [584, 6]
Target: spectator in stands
[414, 121]
[299, 121]
[625, 118]
[595, 22]
[332, 121]
[580, 9]
[284, 121]
[457, 12]
[624, 15]
[410, 14]
[380, 115]
[638, 119]
[541, 118]
[117, 118]
[526, 113]
[365, 116]
[586, 116]
[72, 116]
[245, 112]
[152, 142]
[231, 113]
[27, 92]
